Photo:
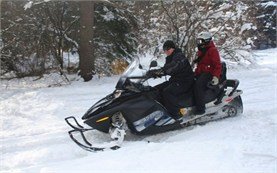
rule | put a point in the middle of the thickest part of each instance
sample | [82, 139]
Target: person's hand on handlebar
[155, 73]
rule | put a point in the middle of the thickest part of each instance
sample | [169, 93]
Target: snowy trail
[34, 138]
[32, 123]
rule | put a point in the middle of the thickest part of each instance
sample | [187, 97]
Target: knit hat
[168, 44]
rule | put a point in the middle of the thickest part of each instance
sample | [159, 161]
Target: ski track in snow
[34, 135]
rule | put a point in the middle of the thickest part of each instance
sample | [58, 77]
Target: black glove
[155, 73]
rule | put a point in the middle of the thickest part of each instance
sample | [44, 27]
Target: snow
[247, 26]
[269, 3]
[34, 138]
[28, 5]
[109, 15]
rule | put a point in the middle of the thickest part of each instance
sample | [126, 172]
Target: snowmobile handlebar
[143, 78]
[127, 84]
[138, 77]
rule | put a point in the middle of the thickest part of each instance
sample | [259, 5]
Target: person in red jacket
[208, 69]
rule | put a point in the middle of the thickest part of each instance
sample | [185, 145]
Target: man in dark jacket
[181, 81]
[208, 69]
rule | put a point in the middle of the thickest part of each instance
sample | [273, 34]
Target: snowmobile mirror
[153, 64]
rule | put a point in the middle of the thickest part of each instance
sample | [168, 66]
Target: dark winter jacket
[209, 61]
[178, 67]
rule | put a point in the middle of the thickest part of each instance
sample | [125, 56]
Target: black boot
[177, 116]
[199, 111]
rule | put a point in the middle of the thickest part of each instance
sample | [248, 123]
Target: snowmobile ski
[116, 133]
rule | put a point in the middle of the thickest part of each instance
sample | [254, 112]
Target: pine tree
[266, 21]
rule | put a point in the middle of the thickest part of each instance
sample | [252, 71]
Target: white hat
[204, 35]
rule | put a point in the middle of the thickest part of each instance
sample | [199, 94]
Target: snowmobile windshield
[131, 68]
[131, 71]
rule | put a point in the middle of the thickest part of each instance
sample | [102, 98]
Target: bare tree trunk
[86, 44]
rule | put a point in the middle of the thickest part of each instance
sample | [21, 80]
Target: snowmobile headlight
[117, 93]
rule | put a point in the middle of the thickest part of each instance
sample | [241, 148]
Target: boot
[199, 111]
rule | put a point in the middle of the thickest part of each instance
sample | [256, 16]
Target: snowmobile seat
[187, 99]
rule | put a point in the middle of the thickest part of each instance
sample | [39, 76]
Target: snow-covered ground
[34, 135]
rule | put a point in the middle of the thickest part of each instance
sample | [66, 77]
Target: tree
[115, 34]
[59, 22]
[36, 33]
[265, 13]
[181, 21]
[22, 36]
[86, 51]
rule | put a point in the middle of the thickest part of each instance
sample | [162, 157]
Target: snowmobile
[134, 106]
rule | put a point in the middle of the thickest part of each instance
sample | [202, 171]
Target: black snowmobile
[134, 106]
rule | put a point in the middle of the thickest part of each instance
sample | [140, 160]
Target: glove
[214, 81]
[155, 73]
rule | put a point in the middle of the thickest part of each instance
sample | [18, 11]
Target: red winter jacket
[210, 63]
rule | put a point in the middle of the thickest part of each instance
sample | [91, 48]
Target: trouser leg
[160, 89]
[200, 89]
[170, 98]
